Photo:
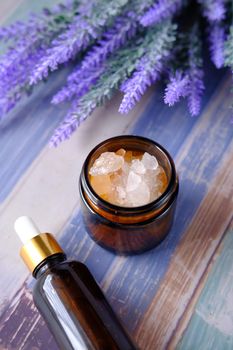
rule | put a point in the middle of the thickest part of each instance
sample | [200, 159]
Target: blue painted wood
[137, 278]
[211, 326]
[140, 276]
[135, 282]
[25, 132]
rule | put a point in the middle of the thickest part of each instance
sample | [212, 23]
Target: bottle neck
[48, 263]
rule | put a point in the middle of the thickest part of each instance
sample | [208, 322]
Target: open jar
[128, 230]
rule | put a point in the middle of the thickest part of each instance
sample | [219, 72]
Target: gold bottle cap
[37, 246]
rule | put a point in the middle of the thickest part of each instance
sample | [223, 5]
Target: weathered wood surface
[152, 293]
[211, 325]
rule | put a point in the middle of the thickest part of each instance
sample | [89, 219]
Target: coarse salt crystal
[108, 162]
[133, 181]
[138, 167]
[149, 161]
[140, 196]
[128, 178]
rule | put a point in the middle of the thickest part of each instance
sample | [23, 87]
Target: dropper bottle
[67, 296]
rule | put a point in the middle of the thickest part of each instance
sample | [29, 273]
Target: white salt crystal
[151, 178]
[126, 181]
[138, 167]
[140, 196]
[149, 161]
[133, 181]
[121, 192]
[108, 162]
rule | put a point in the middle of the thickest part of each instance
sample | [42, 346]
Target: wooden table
[177, 296]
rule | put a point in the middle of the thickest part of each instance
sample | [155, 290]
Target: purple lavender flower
[76, 38]
[37, 24]
[85, 8]
[74, 118]
[64, 130]
[217, 42]
[123, 29]
[213, 10]
[8, 101]
[149, 67]
[163, 9]
[144, 76]
[68, 5]
[31, 40]
[177, 87]
[196, 89]
[79, 82]
[17, 30]
[195, 71]
[15, 67]
[65, 47]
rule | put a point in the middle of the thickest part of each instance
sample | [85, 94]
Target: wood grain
[136, 281]
[131, 283]
[190, 309]
[46, 180]
[151, 292]
[211, 326]
[190, 261]
[36, 180]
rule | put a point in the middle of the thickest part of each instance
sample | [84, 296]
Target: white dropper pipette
[26, 229]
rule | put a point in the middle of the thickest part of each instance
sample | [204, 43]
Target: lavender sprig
[195, 71]
[16, 66]
[117, 69]
[177, 87]
[19, 61]
[145, 75]
[19, 28]
[217, 40]
[86, 75]
[213, 10]
[56, 18]
[77, 37]
[163, 9]
[124, 28]
[81, 82]
[149, 68]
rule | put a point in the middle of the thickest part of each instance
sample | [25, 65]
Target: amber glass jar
[128, 230]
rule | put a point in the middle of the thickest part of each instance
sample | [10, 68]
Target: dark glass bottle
[66, 294]
[75, 308]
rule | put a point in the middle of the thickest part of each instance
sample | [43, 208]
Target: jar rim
[110, 207]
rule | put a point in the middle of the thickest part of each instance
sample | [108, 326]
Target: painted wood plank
[31, 173]
[17, 160]
[34, 114]
[211, 326]
[144, 273]
[190, 260]
[130, 283]
[51, 181]
[186, 317]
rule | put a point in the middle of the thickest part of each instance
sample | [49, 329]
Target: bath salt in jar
[128, 187]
